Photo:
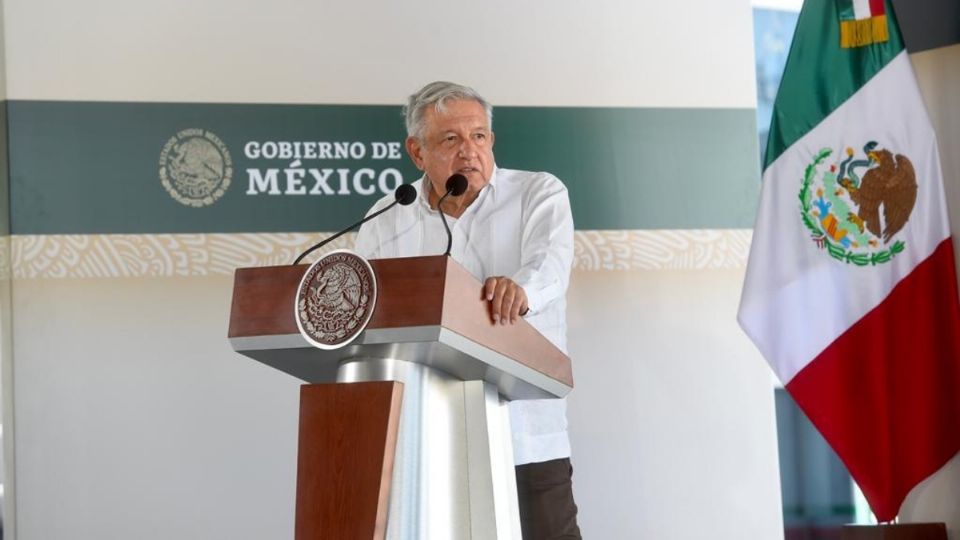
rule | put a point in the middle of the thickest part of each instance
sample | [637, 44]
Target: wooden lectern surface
[415, 291]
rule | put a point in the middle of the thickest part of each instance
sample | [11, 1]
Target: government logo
[335, 299]
[195, 167]
[856, 206]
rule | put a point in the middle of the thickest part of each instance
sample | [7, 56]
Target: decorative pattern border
[171, 255]
[5, 270]
[693, 249]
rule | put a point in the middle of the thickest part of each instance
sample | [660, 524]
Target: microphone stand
[456, 185]
[404, 195]
[326, 241]
[443, 218]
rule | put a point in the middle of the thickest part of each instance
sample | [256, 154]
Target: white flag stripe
[861, 9]
[799, 300]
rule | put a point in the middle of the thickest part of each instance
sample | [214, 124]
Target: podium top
[429, 310]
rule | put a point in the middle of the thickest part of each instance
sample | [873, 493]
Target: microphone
[403, 195]
[456, 186]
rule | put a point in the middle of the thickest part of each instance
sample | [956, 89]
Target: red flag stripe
[886, 393]
[876, 8]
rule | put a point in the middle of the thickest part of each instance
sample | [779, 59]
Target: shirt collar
[426, 186]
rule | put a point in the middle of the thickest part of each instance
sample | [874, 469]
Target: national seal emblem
[856, 207]
[335, 299]
[195, 167]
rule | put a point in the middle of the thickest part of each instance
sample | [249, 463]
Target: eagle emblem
[335, 299]
[855, 205]
[195, 167]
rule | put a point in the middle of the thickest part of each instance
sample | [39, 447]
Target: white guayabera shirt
[520, 226]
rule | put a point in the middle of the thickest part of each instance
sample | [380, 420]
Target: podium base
[348, 433]
[900, 531]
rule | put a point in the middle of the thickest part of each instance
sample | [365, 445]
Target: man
[513, 231]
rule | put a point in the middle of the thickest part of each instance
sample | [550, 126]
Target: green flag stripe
[820, 75]
[845, 10]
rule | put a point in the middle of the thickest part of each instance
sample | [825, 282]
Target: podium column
[453, 474]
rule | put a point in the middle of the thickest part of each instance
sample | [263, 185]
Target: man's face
[457, 140]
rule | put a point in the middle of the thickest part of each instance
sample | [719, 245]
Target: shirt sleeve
[547, 246]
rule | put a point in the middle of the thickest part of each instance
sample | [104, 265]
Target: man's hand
[507, 299]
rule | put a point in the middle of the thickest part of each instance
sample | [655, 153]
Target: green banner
[87, 167]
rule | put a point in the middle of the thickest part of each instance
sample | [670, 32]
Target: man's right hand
[508, 301]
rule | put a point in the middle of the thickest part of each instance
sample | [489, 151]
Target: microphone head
[457, 185]
[405, 194]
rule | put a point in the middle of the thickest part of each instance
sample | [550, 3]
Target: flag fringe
[863, 32]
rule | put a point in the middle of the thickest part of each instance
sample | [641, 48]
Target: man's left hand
[508, 301]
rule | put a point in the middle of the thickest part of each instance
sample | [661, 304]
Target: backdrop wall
[135, 419]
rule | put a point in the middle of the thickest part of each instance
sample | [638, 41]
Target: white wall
[607, 52]
[672, 418]
[137, 421]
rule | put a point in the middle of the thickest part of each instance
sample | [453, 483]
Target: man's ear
[415, 150]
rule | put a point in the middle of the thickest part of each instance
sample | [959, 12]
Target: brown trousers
[545, 494]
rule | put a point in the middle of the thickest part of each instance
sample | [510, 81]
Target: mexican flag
[850, 291]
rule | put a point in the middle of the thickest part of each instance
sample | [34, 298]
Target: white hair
[437, 94]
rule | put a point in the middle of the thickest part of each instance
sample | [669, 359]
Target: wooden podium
[404, 432]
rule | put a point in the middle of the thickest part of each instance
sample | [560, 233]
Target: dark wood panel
[900, 531]
[263, 300]
[467, 312]
[410, 291]
[348, 438]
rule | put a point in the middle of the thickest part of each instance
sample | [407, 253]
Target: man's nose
[468, 149]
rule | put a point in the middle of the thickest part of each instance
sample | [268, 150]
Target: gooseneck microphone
[456, 186]
[403, 195]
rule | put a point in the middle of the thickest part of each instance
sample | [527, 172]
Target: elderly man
[512, 230]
